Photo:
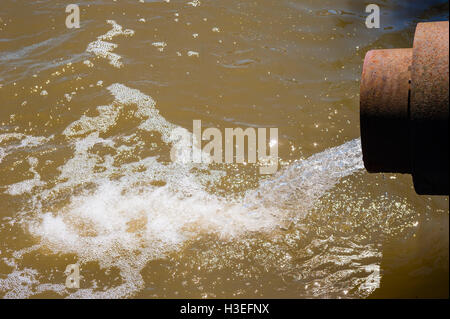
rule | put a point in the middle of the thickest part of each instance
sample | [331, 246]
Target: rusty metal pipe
[404, 110]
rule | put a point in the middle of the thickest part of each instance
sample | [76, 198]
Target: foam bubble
[88, 63]
[193, 54]
[10, 142]
[195, 3]
[102, 48]
[153, 121]
[160, 45]
[26, 186]
[18, 284]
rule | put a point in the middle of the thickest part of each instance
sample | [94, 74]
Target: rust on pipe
[404, 110]
[385, 115]
[429, 108]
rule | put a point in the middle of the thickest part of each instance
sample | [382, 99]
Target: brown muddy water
[87, 120]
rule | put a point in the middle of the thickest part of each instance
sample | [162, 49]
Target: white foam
[102, 48]
[26, 186]
[193, 54]
[88, 63]
[160, 45]
[10, 142]
[195, 3]
[19, 284]
[153, 121]
[101, 123]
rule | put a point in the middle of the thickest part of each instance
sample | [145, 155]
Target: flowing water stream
[87, 122]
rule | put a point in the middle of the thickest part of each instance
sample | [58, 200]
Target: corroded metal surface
[404, 109]
[429, 108]
[384, 110]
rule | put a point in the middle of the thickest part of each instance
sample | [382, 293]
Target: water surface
[87, 120]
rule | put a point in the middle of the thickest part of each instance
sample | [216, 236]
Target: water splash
[298, 186]
[129, 214]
